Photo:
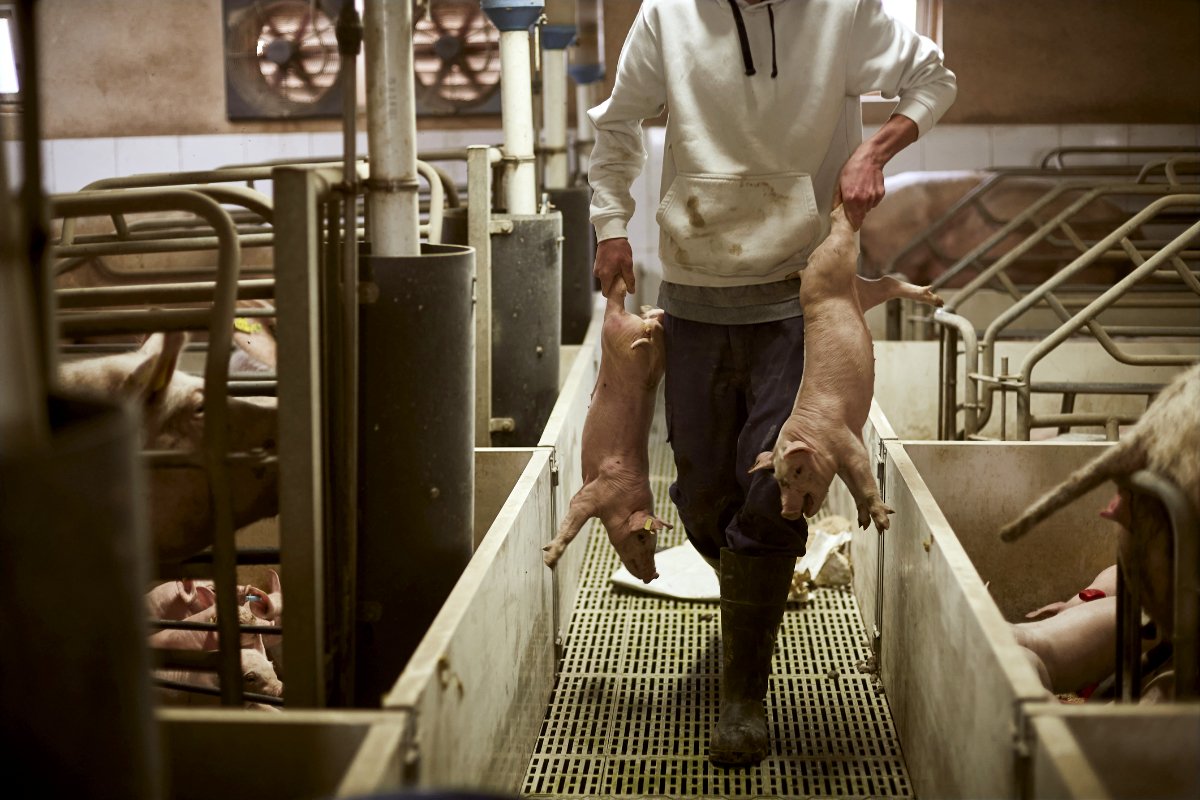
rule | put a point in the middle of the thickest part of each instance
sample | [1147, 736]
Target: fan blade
[468, 21]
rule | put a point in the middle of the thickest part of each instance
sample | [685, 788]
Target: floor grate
[637, 692]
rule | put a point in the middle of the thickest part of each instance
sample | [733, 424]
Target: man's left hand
[860, 186]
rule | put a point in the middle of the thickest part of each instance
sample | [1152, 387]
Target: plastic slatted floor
[637, 693]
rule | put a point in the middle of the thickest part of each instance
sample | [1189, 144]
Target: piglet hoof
[551, 553]
[929, 297]
[879, 513]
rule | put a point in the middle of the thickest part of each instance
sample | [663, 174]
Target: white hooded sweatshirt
[751, 161]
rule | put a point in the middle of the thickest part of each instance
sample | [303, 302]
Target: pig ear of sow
[159, 355]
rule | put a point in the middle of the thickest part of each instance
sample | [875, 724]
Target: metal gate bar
[638, 686]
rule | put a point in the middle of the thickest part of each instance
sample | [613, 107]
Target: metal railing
[214, 452]
[1185, 535]
[982, 381]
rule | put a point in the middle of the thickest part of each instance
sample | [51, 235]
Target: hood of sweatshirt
[738, 7]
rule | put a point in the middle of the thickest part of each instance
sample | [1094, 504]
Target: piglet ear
[258, 644]
[764, 461]
[276, 586]
[261, 605]
[205, 596]
[795, 448]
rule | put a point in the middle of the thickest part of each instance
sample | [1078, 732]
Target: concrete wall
[1074, 61]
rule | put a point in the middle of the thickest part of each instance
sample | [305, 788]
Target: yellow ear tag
[649, 525]
[247, 326]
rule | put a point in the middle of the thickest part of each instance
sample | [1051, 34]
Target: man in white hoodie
[756, 153]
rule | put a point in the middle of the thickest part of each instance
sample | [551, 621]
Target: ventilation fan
[456, 57]
[281, 59]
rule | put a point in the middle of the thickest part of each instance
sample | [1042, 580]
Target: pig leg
[856, 474]
[582, 508]
[873, 291]
[1076, 647]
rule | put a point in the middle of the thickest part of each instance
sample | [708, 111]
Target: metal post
[391, 128]
[557, 35]
[301, 466]
[513, 18]
[479, 236]
[587, 70]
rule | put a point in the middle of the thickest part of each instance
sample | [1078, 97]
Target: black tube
[73, 652]
[416, 453]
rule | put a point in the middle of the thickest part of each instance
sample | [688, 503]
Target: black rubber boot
[754, 591]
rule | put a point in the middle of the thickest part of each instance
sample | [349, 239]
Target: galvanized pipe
[391, 128]
[143, 294]
[966, 331]
[24, 425]
[557, 35]
[517, 112]
[437, 201]
[513, 18]
[216, 373]
[117, 247]
[1087, 316]
[587, 70]
[149, 321]
[991, 334]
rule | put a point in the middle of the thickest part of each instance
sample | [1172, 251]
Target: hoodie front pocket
[735, 225]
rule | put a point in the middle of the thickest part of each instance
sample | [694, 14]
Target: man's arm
[860, 187]
[617, 158]
[887, 57]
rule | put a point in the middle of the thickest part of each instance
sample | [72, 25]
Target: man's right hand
[614, 259]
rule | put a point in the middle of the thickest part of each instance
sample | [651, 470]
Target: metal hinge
[881, 471]
[553, 468]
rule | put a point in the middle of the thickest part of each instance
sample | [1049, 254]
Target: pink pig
[616, 440]
[171, 639]
[258, 676]
[823, 435]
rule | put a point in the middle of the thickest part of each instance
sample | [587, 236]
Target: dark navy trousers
[729, 389]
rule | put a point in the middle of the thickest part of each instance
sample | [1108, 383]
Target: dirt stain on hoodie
[693, 211]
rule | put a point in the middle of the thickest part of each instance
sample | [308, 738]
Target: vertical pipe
[391, 128]
[350, 35]
[32, 196]
[557, 35]
[23, 422]
[517, 110]
[587, 70]
[554, 116]
[513, 18]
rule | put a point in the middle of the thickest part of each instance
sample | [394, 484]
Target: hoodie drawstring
[747, 58]
[771, 16]
[744, 40]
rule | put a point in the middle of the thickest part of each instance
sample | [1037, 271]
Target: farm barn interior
[396, 308]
